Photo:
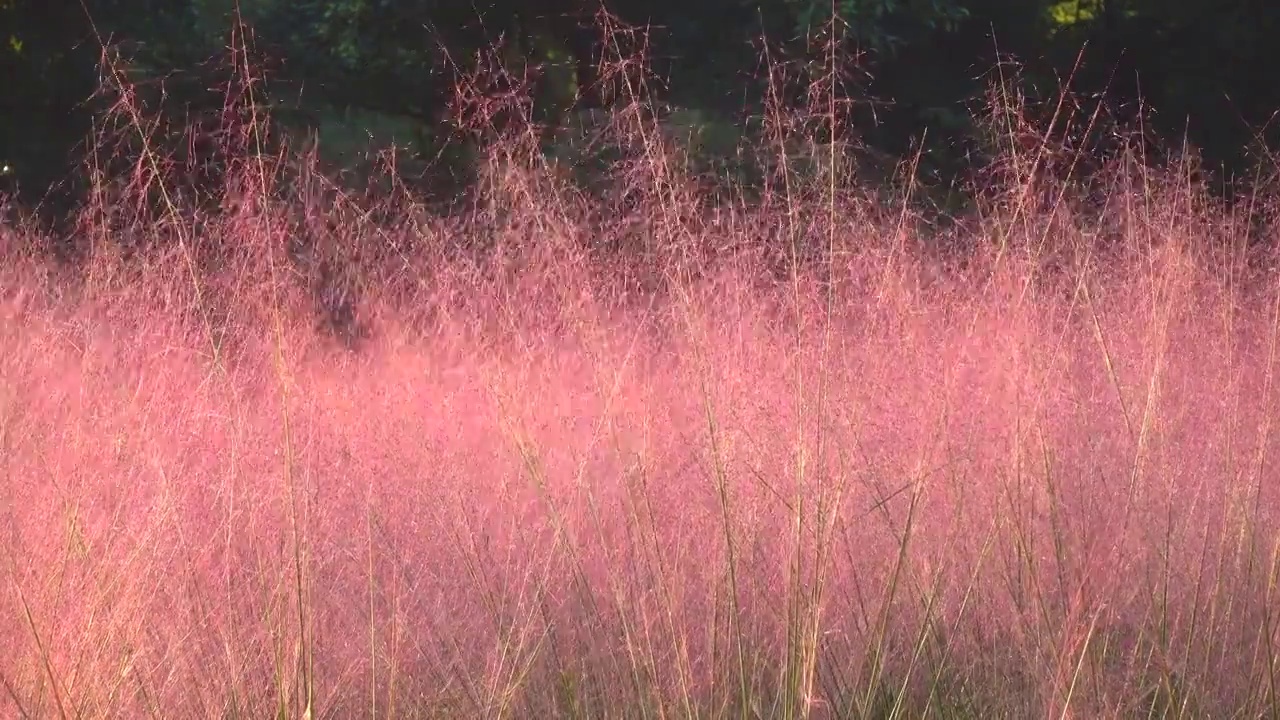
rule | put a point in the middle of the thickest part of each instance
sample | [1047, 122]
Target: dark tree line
[1201, 67]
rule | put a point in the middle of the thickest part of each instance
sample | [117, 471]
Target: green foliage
[1074, 12]
[882, 26]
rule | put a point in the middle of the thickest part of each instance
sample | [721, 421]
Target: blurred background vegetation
[361, 75]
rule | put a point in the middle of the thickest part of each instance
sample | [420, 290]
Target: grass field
[587, 462]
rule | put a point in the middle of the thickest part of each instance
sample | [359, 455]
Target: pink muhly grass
[1030, 479]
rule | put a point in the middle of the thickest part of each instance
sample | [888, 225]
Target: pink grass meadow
[890, 483]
